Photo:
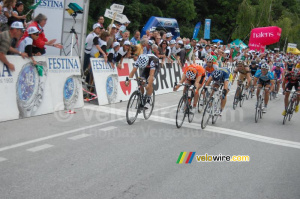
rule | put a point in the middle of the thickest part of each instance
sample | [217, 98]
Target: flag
[39, 69]
[207, 29]
[34, 6]
[196, 30]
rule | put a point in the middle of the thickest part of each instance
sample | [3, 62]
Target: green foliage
[231, 19]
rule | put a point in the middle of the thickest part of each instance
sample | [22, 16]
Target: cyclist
[291, 80]
[253, 67]
[289, 65]
[220, 76]
[264, 78]
[278, 74]
[244, 73]
[150, 65]
[210, 66]
[194, 74]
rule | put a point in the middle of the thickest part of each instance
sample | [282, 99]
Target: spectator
[125, 37]
[112, 37]
[157, 40]
[15, 31]
[181, 53]
[140, 48]
[164, 51]
[147, 48]
[189, 57]
[136, 38]
[100, 45]
[26, 44]
[122, 30]
[169, 37]
[39, 22]
[17, 14]
[7, 10]
[113, 57]
[101, 21]
[123, 51]
[154, 34]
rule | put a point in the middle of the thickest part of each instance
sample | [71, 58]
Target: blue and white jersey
[267, 77]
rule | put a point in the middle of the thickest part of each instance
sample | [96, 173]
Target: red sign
[124, 72]
[265, 35]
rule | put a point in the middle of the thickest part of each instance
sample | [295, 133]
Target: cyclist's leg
[259, 86]
[223, 101]
[288, 89]
[145, 75]
[196, 97]
[151, 77]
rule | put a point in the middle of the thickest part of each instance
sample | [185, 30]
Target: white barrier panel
[110, 84]
[25, 93]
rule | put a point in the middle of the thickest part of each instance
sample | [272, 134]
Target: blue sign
[196, 30]
[207, 29]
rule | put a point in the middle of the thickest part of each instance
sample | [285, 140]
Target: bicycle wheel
[236, 98]
[217, 107]
[257, 110]
[149, 106]
[291, 110]
[207, 113]
[181, 112]
[285, 117]
[261, 107]
[242, 96]
[133, 107]
[190, 114]
[202, 100]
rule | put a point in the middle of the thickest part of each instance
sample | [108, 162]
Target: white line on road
[56, 135]
[108, 128]
[2, 159]
[39, 148]
[220, 130]
[77, 137]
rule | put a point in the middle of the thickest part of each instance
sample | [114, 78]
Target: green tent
[239, 43]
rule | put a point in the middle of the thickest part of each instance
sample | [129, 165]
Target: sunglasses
[36, 34]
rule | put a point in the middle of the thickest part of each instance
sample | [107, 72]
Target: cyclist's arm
[132, 72]
[234, 75]
[255, 81]
[197, 85]
[208, 81]
[151, 77]
[183, 78]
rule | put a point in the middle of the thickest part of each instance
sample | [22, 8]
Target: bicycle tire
[215, 117]
[235, 99]
[260, 107]
[292, 108]
[135, 96]
[179, 121]
[242, 98]
[200, 108]
[190, 114]
[207, 112]
[147, 112]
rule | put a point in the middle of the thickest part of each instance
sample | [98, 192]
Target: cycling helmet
[278, 64]
[240, 62]
[142, 61]
[210, 58]
[265, 66]
[217, 75]
[191, 73]
[253, 62]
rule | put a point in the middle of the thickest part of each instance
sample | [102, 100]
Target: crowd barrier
[24, 93]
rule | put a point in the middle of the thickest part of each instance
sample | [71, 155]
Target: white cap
[127, 22]
[116, 44]
[172, 42]
[32, 30]
[150, 42]
[17, 25]
[227, 52]
[169, 34]
[197, 44]
[187, 47]
[180, 42]
[96, 25]
[127, 43]
[114, 26]
[122, 28]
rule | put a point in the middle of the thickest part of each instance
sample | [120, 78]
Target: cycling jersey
[264, 79]
[278, 72]
[289, 67]
[289, 78]
[225, 75]
[242, 70]
[253, 69]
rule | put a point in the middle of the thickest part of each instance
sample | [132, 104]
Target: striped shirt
[5, 41]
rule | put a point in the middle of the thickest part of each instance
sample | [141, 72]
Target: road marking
[2, 159]
[108, 128]
[56, 135]
[167, 107]
[77, 137]
[39, 148]
[213, 129]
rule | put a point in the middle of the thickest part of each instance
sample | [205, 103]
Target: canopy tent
[295, 51]
[217, 41]
[160, 23]
[239, 43]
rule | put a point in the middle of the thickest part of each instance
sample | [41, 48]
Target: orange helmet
[191, 73]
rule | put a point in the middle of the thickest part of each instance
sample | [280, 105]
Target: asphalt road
[96, 154]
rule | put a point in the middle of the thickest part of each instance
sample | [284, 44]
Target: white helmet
[264, 66]
[210, 58]
[142, 61]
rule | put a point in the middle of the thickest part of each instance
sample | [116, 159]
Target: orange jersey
[200, 69]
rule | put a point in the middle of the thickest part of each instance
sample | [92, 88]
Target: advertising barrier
[28, 92]
[110, 83]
